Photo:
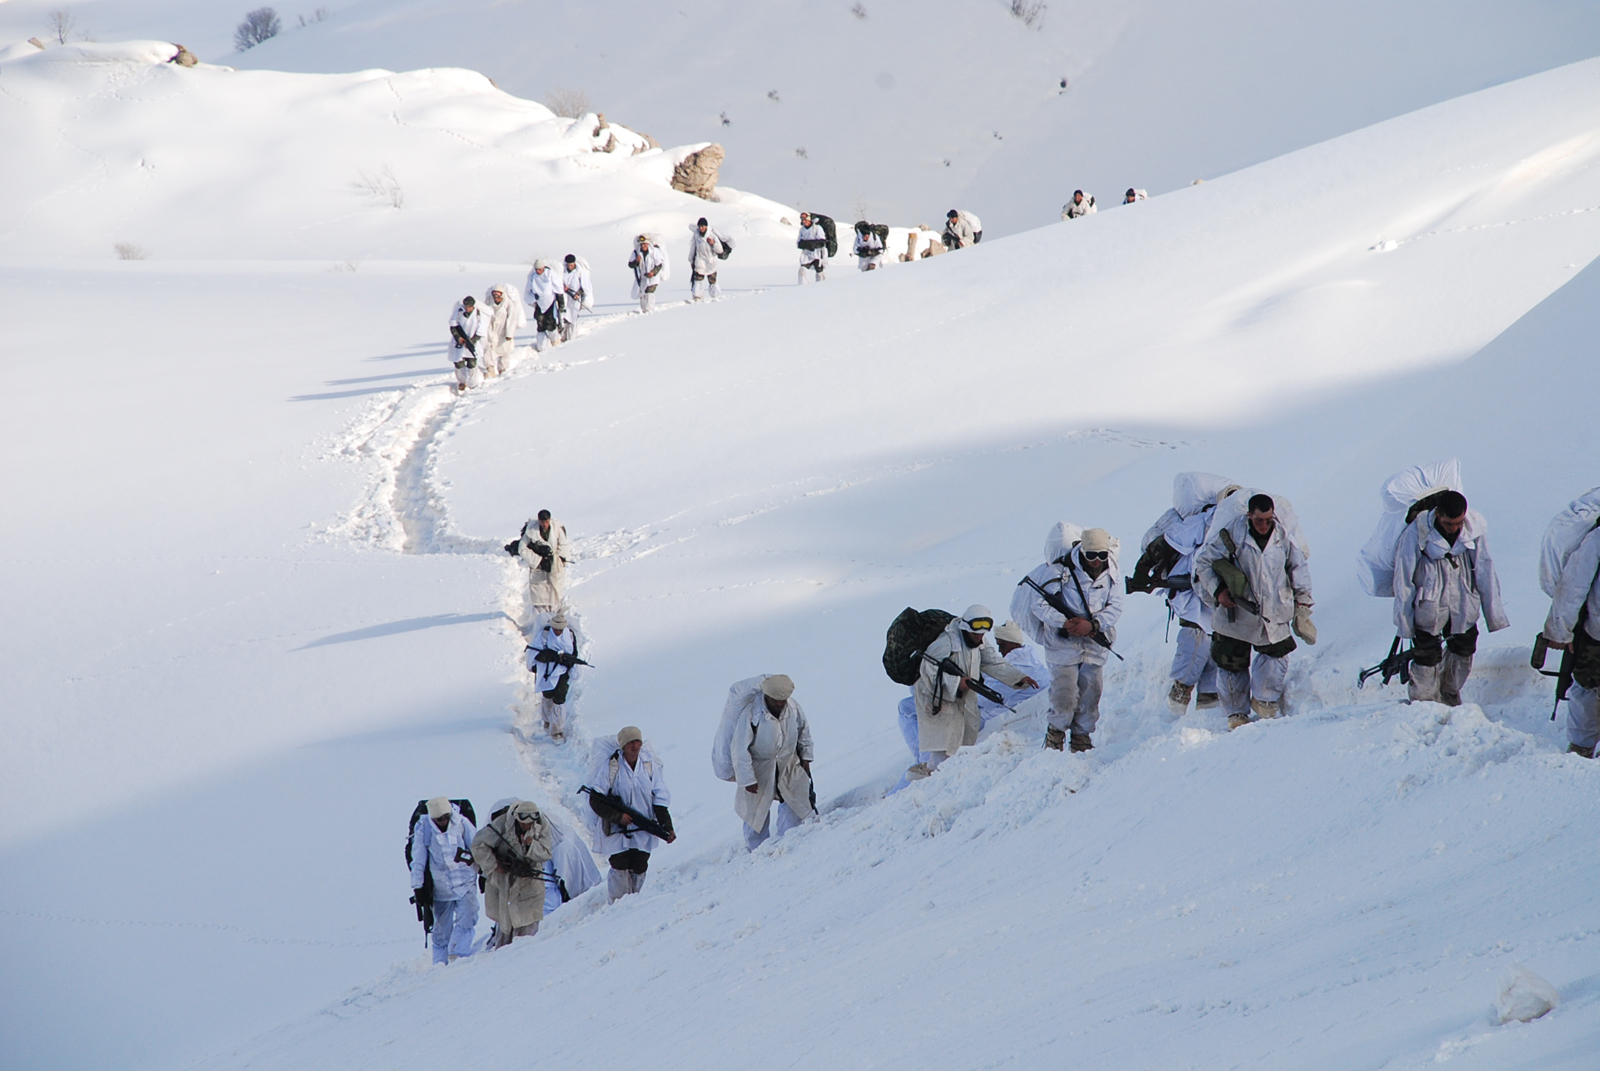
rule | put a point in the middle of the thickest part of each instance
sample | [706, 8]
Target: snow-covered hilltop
[127, 147]
[257, 604]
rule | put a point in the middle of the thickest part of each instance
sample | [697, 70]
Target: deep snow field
[258, 607]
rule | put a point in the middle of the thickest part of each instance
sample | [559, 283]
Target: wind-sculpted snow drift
[225, 568]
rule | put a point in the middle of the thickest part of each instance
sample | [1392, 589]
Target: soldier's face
[630, 751]
[1261, 523]
[1450, 527]
[774, 706]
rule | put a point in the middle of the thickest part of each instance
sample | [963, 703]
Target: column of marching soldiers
[1233, 566]
[483, 337]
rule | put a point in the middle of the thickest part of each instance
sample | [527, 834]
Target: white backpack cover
[1237, 505]
[1566, 531]
[1196, 491]
[1375, 561]
[1057, 542]
[722, 747]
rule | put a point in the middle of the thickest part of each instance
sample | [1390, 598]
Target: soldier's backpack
[727, 247]
[1568, 528]
[1404, 495]
[826, 223]
[423, 897]
[722, 745]
[909, 636]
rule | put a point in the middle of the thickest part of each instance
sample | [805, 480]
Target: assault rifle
[1562, 673]
[1397, 664]
[1059, 605]
[568, 660]
[640, 822]
[948, 665]
[462, 340]
[1233, 578]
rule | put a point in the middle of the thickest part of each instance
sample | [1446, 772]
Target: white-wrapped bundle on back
[1057, 542]
[1566, 531]
[1237, 505]
[1194, 491]
[1375, 561]
[722, 747]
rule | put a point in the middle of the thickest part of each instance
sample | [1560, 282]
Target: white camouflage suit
[703, 263]
[471, 324]
[1440, 589]
[545, 299]
[643, 787]
[868, 250]
[647, 265]
[514, 901]
[813, 260]
[946, 721]
[501, 336]
[767, 752]
[1280, 581]
[1577, 595]
[546, 587]
[548, 675]
[1077, 663]
[455, 882]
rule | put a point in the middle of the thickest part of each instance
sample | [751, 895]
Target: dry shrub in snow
[61, 24]
[568, 103]
[1031, 12]
[257, 27]
[382, 187]
[129, 251]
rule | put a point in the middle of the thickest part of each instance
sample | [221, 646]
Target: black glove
[513, 546]
[422, 896]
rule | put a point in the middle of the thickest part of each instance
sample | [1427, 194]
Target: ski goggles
[980, 624]
[1096, 555]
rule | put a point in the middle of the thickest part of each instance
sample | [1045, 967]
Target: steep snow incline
[925, 104]
[206, 162]
[1206, 900]
[1342, 888]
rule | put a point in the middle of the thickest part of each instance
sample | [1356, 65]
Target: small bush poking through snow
[568, 103]
[129, 251]
[61, 24]
[257, 26]
[382, 187]
[1031, 12]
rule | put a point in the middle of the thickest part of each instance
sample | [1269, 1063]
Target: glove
[1303, 626]
[421, 897]
[513, 546]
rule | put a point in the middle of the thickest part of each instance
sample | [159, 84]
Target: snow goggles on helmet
[980, 624]
[1096, 555]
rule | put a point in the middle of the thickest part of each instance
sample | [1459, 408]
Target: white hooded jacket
[471, 324]
[703, 250]
[1104, 595]
[542, 290]
[814, 233]
[642, 786]
[649, 268]
[1279, 575]
[438, 851]
[767, 752]
[1437, 583]
[946, 720]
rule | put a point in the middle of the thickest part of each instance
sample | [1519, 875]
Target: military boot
[1055, 738]
[1237, 720]
[1178, 698]
[1081, 742]
[1579, 749]
[1206, 700]
[1265, 709]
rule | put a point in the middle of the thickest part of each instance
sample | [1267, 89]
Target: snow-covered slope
[925, 104]
[257, 611]
[127, 148]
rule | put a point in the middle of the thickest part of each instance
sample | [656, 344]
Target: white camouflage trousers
[1263, 682]
[786, 820]
[820, 267]
[1583, 716]
[1075, 697]
[554, 715]
[1191, 663]
[455, 923]
[620, 883]
[647, 298]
